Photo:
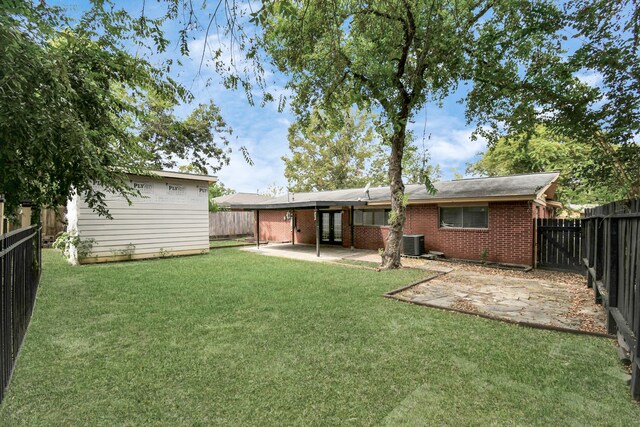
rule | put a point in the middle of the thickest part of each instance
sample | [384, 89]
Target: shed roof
[535, 186]
[178, 175]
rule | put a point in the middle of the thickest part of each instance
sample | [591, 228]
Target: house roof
[536, 186]
[240, 198]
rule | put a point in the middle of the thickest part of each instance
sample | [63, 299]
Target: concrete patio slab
[308, 252]
[330, 253]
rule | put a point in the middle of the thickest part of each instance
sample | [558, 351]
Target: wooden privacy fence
[611, 248]
[223, 224]
[20, 268]
[53, 223]
[558, 244]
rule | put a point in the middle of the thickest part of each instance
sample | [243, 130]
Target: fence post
[612, 274]
[597, 261]
[1, 214]
[4, 359]
[635, 366]
[589, 240]
[25, 216]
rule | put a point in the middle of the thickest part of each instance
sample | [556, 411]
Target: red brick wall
[274, 226]
[509, 237]
[370, 237]
[542, 212]
[346, 228]
[305, 227]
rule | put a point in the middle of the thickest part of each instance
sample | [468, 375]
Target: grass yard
[243, 339]
[225, 243]
[359, 263]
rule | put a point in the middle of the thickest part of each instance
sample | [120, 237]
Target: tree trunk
[391, 254]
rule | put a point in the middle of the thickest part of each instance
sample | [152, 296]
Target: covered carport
[293, 206]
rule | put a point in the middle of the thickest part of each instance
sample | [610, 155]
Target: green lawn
[224, 243]
[242, 339]
[359, 263]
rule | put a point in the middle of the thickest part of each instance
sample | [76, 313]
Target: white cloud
[266, 146]
[453, 149]
[216, 51]
[448, 140]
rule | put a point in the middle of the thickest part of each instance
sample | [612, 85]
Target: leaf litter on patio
[544, 297]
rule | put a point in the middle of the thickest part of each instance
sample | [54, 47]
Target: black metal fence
[611, 251]
[20, 269]
[558, 244]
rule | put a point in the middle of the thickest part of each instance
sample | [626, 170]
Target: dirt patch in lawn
[545, 298]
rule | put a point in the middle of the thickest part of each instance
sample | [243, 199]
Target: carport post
[353, 245]
[317, 218]
[258, 227]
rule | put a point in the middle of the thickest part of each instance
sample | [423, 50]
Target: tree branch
[366, 82]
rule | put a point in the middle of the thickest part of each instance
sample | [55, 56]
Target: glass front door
[331, 227]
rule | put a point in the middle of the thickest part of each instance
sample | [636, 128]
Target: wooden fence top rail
[615, 215]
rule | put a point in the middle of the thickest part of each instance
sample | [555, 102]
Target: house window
[464, 217]
[378, 217]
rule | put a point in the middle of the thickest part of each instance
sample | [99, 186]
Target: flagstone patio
[538, 297]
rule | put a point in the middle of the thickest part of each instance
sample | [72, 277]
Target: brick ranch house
[465, 219]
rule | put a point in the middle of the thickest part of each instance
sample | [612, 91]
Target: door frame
[332, 240]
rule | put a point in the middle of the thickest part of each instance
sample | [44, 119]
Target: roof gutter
[297, 205]
[462, 200]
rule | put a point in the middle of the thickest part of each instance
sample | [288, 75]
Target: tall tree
[542, 152]
[273, 190]
[610, 121]
[603, 114]
[416, 165]
[73, 110]
[395, 56]
[217, 189]
[328, 153]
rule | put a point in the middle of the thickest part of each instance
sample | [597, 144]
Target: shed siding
[171, 218]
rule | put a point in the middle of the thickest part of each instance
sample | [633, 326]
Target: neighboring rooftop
[535, 186]
[240, 199]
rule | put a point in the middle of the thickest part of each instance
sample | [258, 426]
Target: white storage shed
[171, 218]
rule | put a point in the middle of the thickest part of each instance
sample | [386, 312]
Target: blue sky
[263, 130]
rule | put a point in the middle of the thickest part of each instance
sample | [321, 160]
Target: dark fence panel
[20, 269]
[611, 248]
[559, 244]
